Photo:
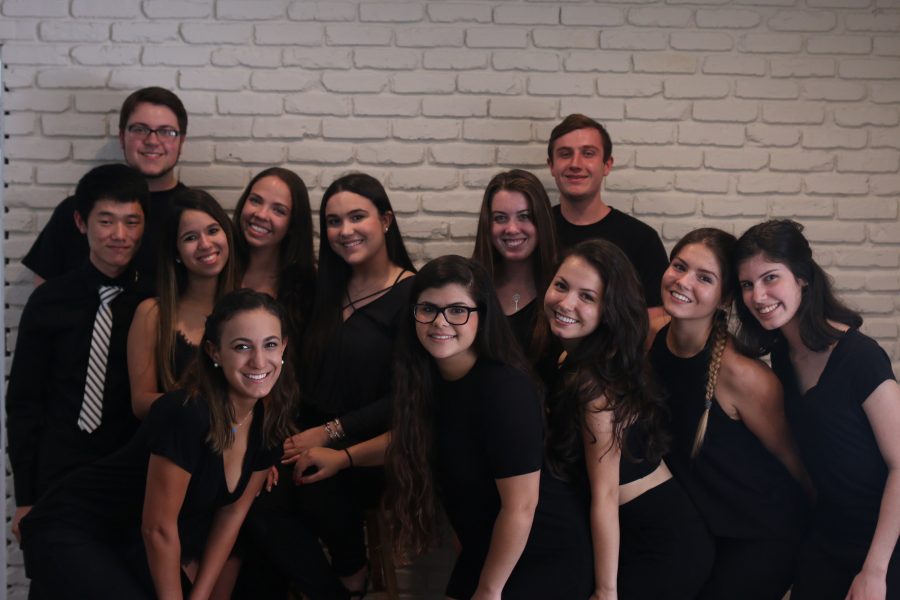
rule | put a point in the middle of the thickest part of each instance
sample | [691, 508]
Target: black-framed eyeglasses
[163, 133]
[455, 314]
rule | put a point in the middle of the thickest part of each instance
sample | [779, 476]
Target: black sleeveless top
[185, 352]
[740, 489]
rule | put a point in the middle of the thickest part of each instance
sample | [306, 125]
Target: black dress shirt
[47, 378]
[61, 248]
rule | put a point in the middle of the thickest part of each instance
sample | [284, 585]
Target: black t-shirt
[105, 499]
[835, 438]
[60, 247]
[639, 242]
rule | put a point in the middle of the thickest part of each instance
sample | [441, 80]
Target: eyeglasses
[454, 314]
[163, 133]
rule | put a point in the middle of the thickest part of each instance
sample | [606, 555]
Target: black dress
[753, 507]
[184, 354]
[83, 540]
[488, 426]
[839, 448]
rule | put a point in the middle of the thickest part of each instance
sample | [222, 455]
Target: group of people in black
[199, 408]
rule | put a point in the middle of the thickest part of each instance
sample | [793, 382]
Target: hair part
[172, 276]
[543, 259]
[154, 95]
[411, 492]
[782, 241]
[575, 122]
[205, 381]
[116, 182]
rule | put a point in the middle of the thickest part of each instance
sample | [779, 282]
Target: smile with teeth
[257, 228]
[679, 296]
[256, 376]
[564, 319]
[351, 243]
[764, 310]
[441, 337]
[514, 243]
[209, 258]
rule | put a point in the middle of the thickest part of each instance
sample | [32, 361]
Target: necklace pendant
[515, 298]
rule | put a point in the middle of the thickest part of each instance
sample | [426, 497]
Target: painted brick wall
[722, 113]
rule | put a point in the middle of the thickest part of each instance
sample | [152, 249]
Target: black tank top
[740, 489]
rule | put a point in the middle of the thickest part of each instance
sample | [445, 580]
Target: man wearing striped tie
[68, 400]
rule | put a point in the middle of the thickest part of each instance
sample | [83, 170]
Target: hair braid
[720, 331]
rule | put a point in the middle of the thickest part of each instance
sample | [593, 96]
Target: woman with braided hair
[731, 448]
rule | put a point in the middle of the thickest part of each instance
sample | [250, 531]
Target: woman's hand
[604, 595]
[327, 462]
[313, 437]
[21, 511]
[868, 585]
[271, 478]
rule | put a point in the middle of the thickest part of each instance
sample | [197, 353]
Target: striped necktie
[92, 407]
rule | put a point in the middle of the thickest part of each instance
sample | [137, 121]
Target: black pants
[751, 569]
[73, 564]
[825, 572]
[284, 527]
[665, 550]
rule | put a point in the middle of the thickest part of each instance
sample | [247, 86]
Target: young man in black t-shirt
[152, 128]
[579, 155]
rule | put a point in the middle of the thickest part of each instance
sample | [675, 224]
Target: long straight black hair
[334, 272]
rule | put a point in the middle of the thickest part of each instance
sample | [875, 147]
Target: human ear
[386, 219]
[79, 223]
[211, 351]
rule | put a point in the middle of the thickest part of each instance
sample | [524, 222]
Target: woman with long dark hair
[363, 284]
[606, 432]
[731, 449]
[274, 242]
[516, 243]
[168, 506]
[195, 269]
[843, 407]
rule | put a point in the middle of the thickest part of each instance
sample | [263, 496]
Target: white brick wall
[721, 115]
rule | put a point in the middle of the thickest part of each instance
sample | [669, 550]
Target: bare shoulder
[657, 323]
[744, 379]
[147, 309]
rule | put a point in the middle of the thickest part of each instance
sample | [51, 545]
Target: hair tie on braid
[720, 333]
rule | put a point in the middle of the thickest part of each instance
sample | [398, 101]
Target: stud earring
[177, 260]
[215, 365]
[282, 361]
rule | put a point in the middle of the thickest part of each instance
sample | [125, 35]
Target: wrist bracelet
[334, 430]
[349, 457]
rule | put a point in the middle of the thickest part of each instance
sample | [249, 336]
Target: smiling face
[355, 229]
[451, 346]
[578, 165]
[113, 231]
[266, 215]
[202, 244]
[692, 284]
[770, 291]
[154, 156]
[250, 354]
[574, 301]
[513, 233]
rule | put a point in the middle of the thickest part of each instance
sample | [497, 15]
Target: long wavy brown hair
[411, 493]
[609, 362]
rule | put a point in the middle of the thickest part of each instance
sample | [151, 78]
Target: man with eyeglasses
[152, 128]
